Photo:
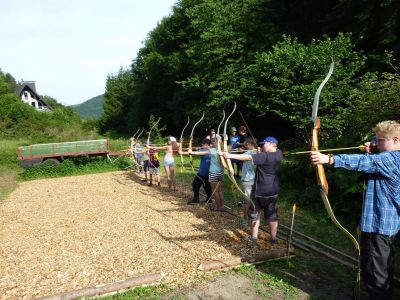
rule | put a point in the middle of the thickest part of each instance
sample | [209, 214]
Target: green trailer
[34, 155]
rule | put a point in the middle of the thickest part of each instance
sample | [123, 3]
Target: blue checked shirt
[381, 207]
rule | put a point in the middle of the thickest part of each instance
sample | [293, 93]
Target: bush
[376, 99]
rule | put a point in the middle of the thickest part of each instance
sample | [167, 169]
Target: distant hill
[90, 108]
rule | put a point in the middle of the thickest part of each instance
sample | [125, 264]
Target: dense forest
[269, 56]
[92, 108]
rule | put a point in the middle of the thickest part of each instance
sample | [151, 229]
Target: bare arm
[201, 153]
[158, 148]
[243, 157]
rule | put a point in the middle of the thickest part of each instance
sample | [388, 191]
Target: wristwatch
[331, 159]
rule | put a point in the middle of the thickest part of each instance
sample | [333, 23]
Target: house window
[26, 95]
[33, 104]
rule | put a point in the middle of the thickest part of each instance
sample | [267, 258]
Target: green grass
[269, 280]
[9, 167]
[147, 292]
[11, 173]
[8, 154]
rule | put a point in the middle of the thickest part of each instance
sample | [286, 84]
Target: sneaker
[244, 222]
[273, 241]
[194, 202]
[251, 240]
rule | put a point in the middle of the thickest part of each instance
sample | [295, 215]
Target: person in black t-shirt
[242, 134]
[266, 185]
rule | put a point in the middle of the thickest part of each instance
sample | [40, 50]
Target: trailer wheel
[51, 161]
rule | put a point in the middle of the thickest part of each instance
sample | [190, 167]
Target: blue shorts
[169, 162]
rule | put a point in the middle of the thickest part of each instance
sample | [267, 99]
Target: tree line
[269, 56]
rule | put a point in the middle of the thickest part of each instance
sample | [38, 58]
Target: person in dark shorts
[266, 186]
[201, 178]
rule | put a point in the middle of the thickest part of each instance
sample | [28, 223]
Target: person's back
[204, 167]
[267, 173]
[153, 158]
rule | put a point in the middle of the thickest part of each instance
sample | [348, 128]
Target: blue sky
[70, 46]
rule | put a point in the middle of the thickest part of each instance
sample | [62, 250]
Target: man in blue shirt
[233, 142]
[380, 219]
[201, 178]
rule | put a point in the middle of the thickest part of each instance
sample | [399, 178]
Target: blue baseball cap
[269, 139]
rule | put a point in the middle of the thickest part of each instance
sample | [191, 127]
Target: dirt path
[62, 234]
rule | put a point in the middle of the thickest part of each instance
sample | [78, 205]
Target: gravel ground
[62, 234]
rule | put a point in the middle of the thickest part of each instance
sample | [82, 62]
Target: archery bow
[218, 145]
[191, 141]
[225, 143]
[154, 125]
[137, 131]
[218, 140]
[141, 132]
[321, 177]
[228, 163]
[133, 141]
[133, 147]
[181, 143]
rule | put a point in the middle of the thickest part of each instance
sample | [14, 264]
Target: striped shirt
[381, 207]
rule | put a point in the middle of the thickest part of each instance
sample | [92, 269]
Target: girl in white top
[170, 149]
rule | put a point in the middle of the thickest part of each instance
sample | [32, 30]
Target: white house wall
[30, 99]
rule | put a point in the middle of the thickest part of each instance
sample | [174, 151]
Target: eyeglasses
[381, 140]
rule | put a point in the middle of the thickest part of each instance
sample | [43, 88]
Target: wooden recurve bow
[321, 176]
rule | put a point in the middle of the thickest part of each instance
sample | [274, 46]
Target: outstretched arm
[200, 153]
[158, 148]
[243, 157]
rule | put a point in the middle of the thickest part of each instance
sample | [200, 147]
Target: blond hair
[388, 129]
